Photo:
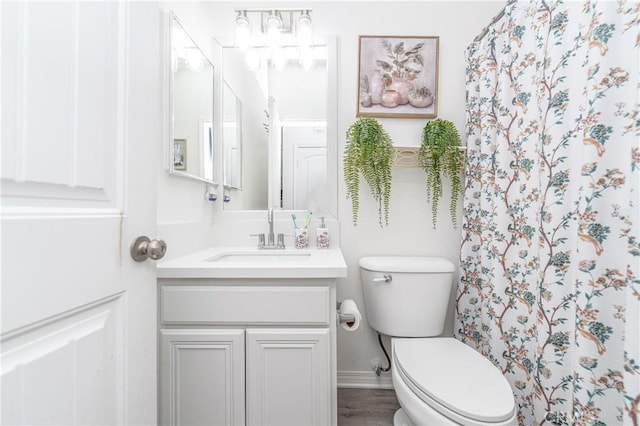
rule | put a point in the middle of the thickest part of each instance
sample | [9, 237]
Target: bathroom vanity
[249, 337]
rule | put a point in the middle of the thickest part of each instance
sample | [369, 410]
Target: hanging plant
[439, 156]
[369, 152]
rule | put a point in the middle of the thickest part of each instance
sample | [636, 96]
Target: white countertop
[249, 262]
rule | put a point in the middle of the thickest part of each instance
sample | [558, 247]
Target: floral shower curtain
[550, 276]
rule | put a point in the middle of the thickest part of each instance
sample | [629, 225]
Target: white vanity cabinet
[202, 377]
[288, 377]
[247, 351]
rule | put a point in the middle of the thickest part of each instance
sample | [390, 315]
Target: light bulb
[243, 30]
[304, 32]
[273, 29]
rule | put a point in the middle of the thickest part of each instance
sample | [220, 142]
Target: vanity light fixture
[304, 32]
[243, 29]
[271, 30]
[273, 23]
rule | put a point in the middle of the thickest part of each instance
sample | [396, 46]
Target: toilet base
[401, 419]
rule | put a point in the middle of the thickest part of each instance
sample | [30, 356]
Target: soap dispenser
[322, 235]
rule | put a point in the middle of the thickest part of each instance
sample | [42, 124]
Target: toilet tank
[414, 302]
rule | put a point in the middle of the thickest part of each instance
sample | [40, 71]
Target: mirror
[232, 138]
[285, 155]
[191, 142]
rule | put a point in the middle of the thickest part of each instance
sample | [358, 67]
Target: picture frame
[398, 76]
[179, 154]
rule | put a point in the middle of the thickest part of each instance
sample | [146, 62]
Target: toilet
[437, 380]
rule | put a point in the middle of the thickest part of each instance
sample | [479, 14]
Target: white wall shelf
[408, 156]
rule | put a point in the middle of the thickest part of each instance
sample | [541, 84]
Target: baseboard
[364, 380]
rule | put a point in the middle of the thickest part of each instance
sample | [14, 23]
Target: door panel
[61, 67]
[80, 113]
[288, 377]
[304, 167]
[310, 176]
[61, 361]
[202, 377]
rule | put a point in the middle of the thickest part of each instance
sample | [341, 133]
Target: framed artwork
[179, 154]
[398, 76]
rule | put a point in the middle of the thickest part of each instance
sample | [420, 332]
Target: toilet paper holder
[344, 318]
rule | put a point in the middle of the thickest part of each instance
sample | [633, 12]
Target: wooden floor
[366, 407]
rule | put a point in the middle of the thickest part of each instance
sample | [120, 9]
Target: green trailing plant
[440, 156]
[369, 152]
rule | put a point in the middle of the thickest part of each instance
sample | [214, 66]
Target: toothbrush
[295, 225]
[306, 222]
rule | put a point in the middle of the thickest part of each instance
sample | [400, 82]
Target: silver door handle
[387, 278]
[143, 248]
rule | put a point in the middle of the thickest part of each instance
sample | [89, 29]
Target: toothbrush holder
[302, 238]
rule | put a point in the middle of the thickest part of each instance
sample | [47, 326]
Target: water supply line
[379, 368]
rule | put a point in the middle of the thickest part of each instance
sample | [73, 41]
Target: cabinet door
[288, 378]
[202, 377]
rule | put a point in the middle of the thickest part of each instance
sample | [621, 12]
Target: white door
[310, 175]
[304, 169]
[80, 128]
[288, 377]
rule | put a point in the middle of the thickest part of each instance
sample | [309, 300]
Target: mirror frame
[173, 20]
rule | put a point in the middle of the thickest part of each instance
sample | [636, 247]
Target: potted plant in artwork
[369, 152]
[421, 98]
[439, 156]
[402, 67]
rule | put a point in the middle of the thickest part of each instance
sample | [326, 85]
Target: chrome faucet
[270, 220]
[270, 243]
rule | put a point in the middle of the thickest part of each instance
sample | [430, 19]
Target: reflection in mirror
[255, 139]
[232, 138]
[191, 143]
[289, 104]
[303, 145]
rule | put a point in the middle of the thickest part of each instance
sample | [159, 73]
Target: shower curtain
[550, 278]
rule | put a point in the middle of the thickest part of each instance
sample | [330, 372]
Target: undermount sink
[260, 256]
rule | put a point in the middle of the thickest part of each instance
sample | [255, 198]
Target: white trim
[20, 213]
[364, 380]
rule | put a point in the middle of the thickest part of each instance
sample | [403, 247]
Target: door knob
[143, 248]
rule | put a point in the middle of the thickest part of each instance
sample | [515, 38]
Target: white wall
[410, 232]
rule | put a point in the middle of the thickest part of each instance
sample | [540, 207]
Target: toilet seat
[453, 379]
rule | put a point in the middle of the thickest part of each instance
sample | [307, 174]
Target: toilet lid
[456, 376]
